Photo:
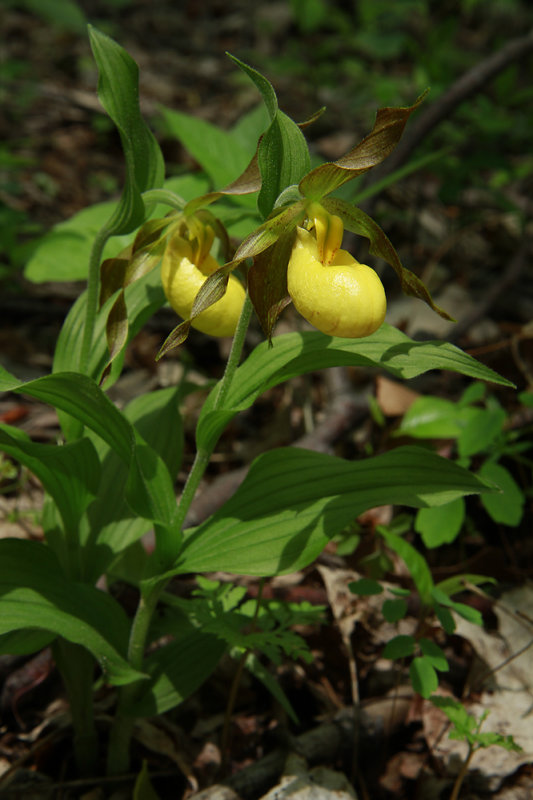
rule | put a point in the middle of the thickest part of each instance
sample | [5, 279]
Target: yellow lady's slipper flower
[329, 288]
[184, 268]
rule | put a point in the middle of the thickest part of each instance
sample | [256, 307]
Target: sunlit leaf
[149, 489]
[434, 654]
[118, 91]
[293, 501]
[299, 353]
[414, 561]
[283, 158]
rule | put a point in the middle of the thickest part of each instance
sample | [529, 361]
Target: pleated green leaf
[177, 670]
[149, 488]
[143, 299]
[35, 594]
[118, 91]
[70, 474]
[293, 501]
[299, 353]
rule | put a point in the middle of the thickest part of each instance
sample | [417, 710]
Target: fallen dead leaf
[507, 659]
[393, 398]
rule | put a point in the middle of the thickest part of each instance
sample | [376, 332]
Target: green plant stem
[118, 755]
[462, 774]
[203, 454]
[164, 196]
[122, 728]
[76, 666]
[93, 283]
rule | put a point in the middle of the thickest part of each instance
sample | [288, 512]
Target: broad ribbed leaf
[70, 474]
[282, 155]
[177, 670]
[35, 594]
[118, 91]
[150, 493]
[112, 523]
[80, 397]
[283, 159]
[298, 353]
[149, 488]
[293, 501]
[63, 253]
[143, 299]
[156, 415]
[263, 85]
[24, 642]
[219, 152]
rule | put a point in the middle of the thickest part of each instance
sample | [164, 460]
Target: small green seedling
[465, 727]
[479, 426]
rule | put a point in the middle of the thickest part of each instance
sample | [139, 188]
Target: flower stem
[92, 297]
[164, 196]
[122, 729]
[203, 454]
[76, 666]
[118, 754]
[462, 774]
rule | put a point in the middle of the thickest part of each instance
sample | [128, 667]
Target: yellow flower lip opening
[329, 230]
[184, 269]
[335, 293]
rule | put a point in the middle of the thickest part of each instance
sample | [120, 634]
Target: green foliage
[466, 727]
[118, 91]
[112, 479]
[479, 427]
[63, 14]
[143, 786]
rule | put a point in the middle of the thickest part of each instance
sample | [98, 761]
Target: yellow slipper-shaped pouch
[182, 280]
[343, 298]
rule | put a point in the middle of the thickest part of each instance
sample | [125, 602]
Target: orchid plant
[111, 478]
